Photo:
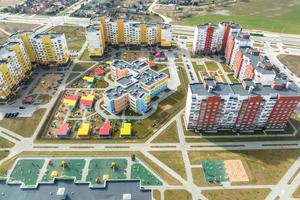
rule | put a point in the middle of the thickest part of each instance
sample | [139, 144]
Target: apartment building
[136, 85]
[51, 49]
[247, 106]
[15, 66]
[249, 64]
[125, 32]
[27, 38]
[209, 38]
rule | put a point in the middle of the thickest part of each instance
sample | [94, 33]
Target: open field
[6, 3]
[175, 161]
[297, 192]
[291, 62]
[169, 135]
[262, 166]
[199, 178]
[82, 66]
[24, 126]
[177, 194]
[211, 66]
[241, 194]
[14, 27]
[3, 154]
[156, 195]
[5, 143]
[75, 36]
[268, 15]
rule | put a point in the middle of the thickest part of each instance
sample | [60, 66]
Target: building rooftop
[51, 34]
[238, 89]
[257, 60]
[66, 189]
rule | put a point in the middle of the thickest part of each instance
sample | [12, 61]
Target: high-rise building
[247, 106]
[15, 66]
[27, 39]
[209, 38]
[51, 49]
[104, 30]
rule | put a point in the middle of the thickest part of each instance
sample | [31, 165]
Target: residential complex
[245, 106]
[15, 66]
[136, 85]
[25, 49]
[209, 38]
[104, 30]
[44, 48]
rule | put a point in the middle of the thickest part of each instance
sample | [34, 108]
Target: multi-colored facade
[51, 49]
[44, 48]
[15, 67]
[245, 106]
[104, 30]
[209, 38]
[136, 85]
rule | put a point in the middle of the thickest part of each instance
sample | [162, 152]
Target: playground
[101, 170]
[30, 171]
[26, 171]
[61, 168]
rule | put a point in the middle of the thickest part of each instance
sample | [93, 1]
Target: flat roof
[237, 88]
[113, 189]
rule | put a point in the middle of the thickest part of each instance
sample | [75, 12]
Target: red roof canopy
[99, 71]
[28, 99]
[86, 103]
[71, 97]
[105, 129]
[63, 129]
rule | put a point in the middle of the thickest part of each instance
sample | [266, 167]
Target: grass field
[233, 80]
[82, 66]
[199, 179]
[75, 35]
[72, 76]
[156, 195]
[169, 135]
[14, 27]
[177, 194]
[3, 154]
[241, 194]
[269, 15]
[296, 194]
[211, 66]
[262, 166]
[5, 143]
[175, 161]
[24, 126]
[291, 62]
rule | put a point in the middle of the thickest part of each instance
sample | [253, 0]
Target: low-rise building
[136, 85]
[247, 106]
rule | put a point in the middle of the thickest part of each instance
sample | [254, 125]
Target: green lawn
[211, 65]
[175, 161]
[233, 80]
[72, 76]
[169, 135]
[268, 15]
[24, 126]
[3, 154]
[75, 35]
[5, 143]
[226, 68]
[177, 194]
[82, 66]
[241, 194]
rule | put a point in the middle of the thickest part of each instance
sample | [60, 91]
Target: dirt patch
[6, 3]
[14, 27]
[134, 55]
[291, 62]
[236, 171]
[48, 83]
